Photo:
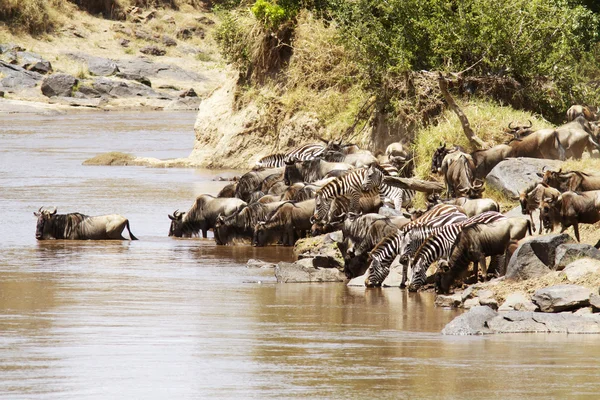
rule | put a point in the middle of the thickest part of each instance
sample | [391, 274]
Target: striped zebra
[387, 249]
[391, 169]
[302, 153]
[271, 161]
[349, 185]
[374, 179]
[439, 245]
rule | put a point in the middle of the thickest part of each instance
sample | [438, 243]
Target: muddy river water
[175, 319]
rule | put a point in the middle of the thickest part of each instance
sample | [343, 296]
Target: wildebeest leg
[576, 229]
[204, 233]
[532, 223]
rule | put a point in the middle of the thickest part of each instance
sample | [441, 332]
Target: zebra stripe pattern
[305, 152]
[271, 161]
[440, 243]
[386, 250]
[349, 184]
[373, 179]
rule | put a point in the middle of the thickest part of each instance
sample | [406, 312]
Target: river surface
[164, 318]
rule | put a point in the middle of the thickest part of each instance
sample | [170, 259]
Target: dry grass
[33, 16]
[488, 121]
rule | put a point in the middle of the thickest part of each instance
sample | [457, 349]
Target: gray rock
[390, 212]
[189, 31]
[124, 42]
[16, 78]
[87, 92]
[580, 268]
[168, 41]
[188, 93]
[153, 50]
[517, 302]
[535, 257]
[145, 67]
[101, 66]
[583, 311]
[42, 67]
[118, 89]
[1, 93]
[76, 102]
[490, 302]
[6, 47]
[358, 281]
[451, 301]
[470, 303]
[336, 236]
[302, 271]
[394, 278]
[514, 175]
[569, 252]
[135, 77]
[531, 322]
[253, 263]
[562, 298]
[60, 85]
[471, 323]
[188, 103]
[144, 35]
[595, 301]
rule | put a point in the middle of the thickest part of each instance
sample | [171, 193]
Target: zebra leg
[405, 273]
[398, 203]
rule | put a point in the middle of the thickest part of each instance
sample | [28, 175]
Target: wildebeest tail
[130, 234]
[561, 149]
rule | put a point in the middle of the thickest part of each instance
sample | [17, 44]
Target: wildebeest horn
[53, 210]
[530, 124]
[40, 210]
[510, 125]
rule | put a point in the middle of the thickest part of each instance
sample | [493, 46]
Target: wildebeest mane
[62, 225]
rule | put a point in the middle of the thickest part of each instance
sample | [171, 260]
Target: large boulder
[562, 298]
[513, 175]
[579, 268]
[322, 249]
[303, 271]
[101, 66]
[535, 257]
[59, 85]
[569, 252]
[146, 67]
[16, 78]
[471, 323]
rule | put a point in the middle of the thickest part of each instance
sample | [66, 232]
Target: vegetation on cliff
[370, 63]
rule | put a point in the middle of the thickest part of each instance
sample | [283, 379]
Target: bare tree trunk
[414, 184]
[464, 121]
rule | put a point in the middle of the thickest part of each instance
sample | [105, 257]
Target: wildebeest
[486, 160]
[571, 209]
[458, 170]
[240, 224]
[76, 226]
[311, 171]
[576, 137]
[476, 243]
[228, 190]
[574, 181]
[531, 199]
[252, 181]
[288, 222]
[471, 207]
[576, 111]
[202, 215]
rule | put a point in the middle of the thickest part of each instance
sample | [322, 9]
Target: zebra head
[321, 208]
[418, 276]
[372, 179]
[376, 273]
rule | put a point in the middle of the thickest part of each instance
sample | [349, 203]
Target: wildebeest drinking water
[76, 226]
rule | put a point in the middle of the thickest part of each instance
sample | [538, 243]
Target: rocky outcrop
[15, 77]
[483, 320]
[322, 250]
[517, 302]
[303, 271]
[569, 252]
[562, 298]
[535, 257]
[59, 85]
[514, 175]
[119, 89]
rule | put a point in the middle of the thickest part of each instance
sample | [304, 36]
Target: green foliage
[232, 37]
[270, 14]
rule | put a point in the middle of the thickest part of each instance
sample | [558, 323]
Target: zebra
[374, 179]
[302, 153]
[391, 169]
[388, 248]
[270, 161]
[439, 245]
[305, 153]
[349, 185]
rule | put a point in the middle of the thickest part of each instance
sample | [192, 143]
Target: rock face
[323, 250]
[302, 272]
[562, 298]
[567, 253]
[580, 268]
[484, 320]
[517, 302]
[59, 85]
[101, 66]
[15, 77]
[514, 175]
[535, 257]
[153, 50]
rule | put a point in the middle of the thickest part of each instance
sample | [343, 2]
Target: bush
[31, 16]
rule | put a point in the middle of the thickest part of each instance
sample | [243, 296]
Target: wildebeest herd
[324, 187]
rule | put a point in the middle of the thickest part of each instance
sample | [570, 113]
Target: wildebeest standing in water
[76, 226]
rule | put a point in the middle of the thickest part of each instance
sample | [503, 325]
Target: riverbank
[154, 59]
